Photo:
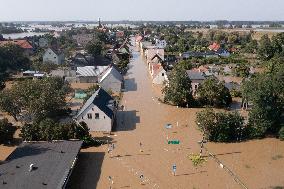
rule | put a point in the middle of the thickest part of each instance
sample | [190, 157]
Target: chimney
[31, 167]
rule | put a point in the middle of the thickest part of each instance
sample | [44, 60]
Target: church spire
[100, 25]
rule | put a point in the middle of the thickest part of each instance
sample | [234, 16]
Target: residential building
[119, 34]
[24, 44]
[138, 39]
[158, 74]
[223, 53]
[194, 54]
[83, 39]
[43, 42]
[161, 43]
[53, 56]
[99, 112]
[41, 165]
[196, 78]
[154, 52]
[111, 80]
[214, 47]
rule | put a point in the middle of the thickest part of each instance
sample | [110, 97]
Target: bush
[6, 131]
[281, 133]
[197, 160]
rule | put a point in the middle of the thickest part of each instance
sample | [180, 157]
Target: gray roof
[198, 54]
[56, 51]
[102, 100]
[112, 71]
[194, 75]
[52, 164]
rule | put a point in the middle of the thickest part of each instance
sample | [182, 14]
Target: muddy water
[143, 120]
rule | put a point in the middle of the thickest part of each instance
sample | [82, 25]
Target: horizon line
[144, 20]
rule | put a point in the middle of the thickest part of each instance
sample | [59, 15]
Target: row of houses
[154, 58]
[160, 65]
[99, 111]
[50, 164]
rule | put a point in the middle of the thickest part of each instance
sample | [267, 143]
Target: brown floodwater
[258, 163]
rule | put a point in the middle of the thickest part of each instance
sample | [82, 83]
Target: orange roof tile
[22, 43]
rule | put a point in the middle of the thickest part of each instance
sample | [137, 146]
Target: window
[93, 109]
[89, 115]
[97, 116]
[163, 74]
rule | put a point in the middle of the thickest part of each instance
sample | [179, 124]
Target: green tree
[185, 64]
[265, 92]
[221, 127]
[40, 98]
[13, 57]
[95, 48]
[9, 102]
[7, 131]
[265, 48]
[242, 70]
[48, 129]
[278, 42]
[214, 93]
[281, 133]
[178, 89]
[251, 47]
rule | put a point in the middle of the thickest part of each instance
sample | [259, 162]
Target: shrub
[197, 160]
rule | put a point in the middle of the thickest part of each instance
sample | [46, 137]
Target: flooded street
[143, 121]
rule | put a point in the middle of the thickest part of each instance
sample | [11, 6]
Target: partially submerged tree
[178, 89]
[266, 93]
[214, 93]
[221, 127]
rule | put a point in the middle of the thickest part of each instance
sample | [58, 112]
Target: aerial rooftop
[39, 165]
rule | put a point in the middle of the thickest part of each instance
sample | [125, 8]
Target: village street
[143, 121]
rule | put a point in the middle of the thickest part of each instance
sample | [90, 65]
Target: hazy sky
[28, 10]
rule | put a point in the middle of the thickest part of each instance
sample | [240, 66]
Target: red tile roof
[22, 43]
[156, 69]
[138, 38]
[214, 47]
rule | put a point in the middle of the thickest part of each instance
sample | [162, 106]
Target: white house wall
[103, 124]
[160, 78]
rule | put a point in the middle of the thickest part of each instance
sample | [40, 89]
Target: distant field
[257, 34]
